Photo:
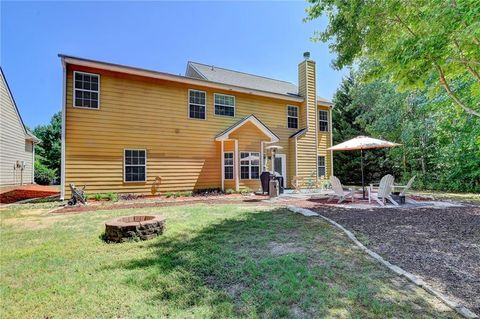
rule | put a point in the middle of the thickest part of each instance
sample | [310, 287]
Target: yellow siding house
[131, 130]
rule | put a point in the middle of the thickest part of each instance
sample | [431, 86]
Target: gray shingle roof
[231, 77]
[237, 78]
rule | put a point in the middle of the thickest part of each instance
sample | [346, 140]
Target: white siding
[13, 146]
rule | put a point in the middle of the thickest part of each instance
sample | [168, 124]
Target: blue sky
[264, 38]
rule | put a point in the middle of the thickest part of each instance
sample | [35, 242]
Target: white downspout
[64, 106]
[237, 175]
[223, 165]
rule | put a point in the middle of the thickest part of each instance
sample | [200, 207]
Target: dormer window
[86, 90]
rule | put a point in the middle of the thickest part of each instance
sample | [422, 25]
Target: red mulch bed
[27, 192]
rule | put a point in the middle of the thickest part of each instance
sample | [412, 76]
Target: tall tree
[48, 152]
[411, 42]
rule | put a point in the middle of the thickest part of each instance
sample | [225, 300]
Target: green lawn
[217, 261]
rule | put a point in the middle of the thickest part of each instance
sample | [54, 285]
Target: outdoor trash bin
[265, 179]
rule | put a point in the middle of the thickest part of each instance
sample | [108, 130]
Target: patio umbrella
[362, 143]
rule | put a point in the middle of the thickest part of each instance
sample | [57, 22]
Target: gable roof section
[175, 78]
[28, 135]
[232, 77]
[249, 119]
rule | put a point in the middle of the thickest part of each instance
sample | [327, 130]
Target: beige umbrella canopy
[362, 143]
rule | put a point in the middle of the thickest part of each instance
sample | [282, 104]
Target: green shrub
[245, 191]
[169, 194]
[111, 196]
[43, 174]
[97, 196]
[229, 191]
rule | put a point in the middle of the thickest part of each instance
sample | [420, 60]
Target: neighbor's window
[224, 104]
[135, 165]
[249, 165]
[86, 90]
[292, 116]
[321, 166]
[197, 104]
[323, 121]
[228, 165]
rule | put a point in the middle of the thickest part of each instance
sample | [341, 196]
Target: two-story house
[126, 129]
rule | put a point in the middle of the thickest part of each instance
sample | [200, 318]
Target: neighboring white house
[17, 143]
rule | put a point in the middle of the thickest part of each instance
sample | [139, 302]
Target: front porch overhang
[225, 135]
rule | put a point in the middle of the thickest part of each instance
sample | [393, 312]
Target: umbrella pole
[363, 181]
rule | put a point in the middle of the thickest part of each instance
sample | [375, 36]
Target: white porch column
[262, 162]
[223, 165]
[237, 168]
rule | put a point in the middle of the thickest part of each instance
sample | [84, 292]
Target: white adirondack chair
[407, 187]
[384, 191]
[339, 191]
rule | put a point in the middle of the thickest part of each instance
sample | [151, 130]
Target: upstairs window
[292, 116]
[86, 90]
[224, 104]
[323, 121]
[197, 101]
[135, 165]
[249, 165]
[228, 165]
[321, 166]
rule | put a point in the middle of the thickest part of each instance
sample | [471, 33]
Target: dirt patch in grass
[279, 249]
[175, 202]
[32, 219]
[440, 245]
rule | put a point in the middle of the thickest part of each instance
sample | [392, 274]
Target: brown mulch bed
[27, 192]
[440, 245]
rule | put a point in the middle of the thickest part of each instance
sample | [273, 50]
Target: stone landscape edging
[462, 310]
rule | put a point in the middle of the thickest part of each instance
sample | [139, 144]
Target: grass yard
[214, 261]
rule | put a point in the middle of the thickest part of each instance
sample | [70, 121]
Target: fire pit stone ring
[128, 228]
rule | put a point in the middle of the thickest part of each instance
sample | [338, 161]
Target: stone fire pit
[126, 228]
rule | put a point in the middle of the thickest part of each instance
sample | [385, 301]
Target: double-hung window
[135, 165]
[86, 90]
[197, 101]
[292, 116]
[323, 121]
[224, 104]
[321, 166]
[228, 165]
[249, 165]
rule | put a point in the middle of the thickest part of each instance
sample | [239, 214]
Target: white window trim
[98, 92]
[234, 105]
[297, 117]
[125, 166]
[233, 166]
[188, 105]
[249, 166]
[327, 121]
[324, 166]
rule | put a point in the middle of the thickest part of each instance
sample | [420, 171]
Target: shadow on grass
[268, 264]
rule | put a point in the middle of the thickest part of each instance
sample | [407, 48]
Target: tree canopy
[48, 152]
[417, 45]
